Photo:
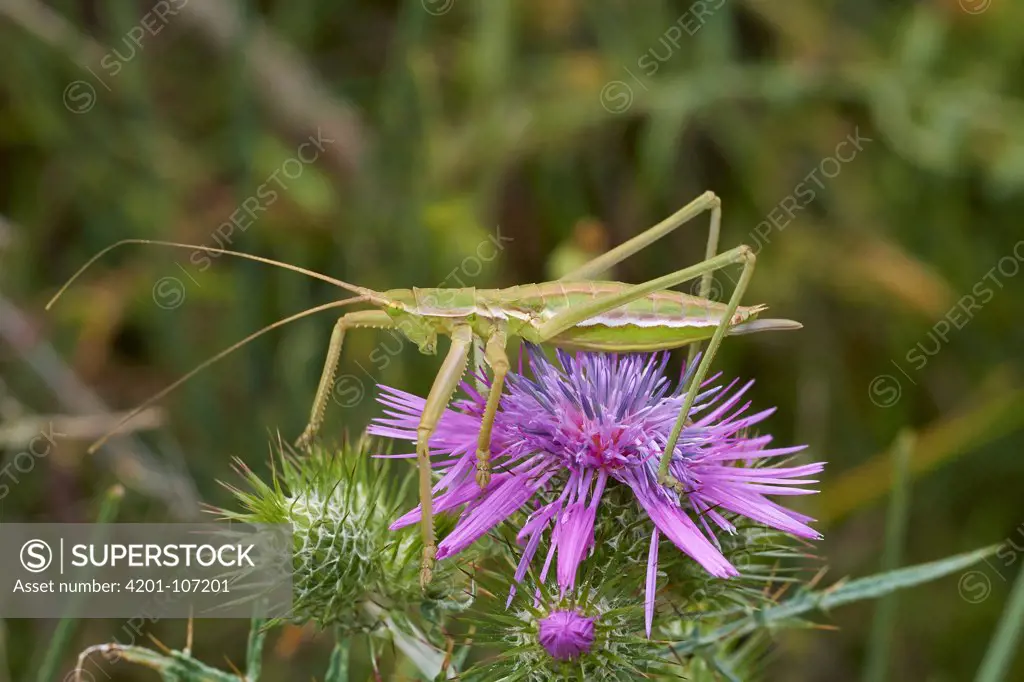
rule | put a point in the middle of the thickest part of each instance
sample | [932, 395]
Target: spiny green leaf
[841, 593]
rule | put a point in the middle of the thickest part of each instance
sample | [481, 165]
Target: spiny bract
[339, 503]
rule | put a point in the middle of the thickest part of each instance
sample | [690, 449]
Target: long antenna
[362, 291]
[227, 351]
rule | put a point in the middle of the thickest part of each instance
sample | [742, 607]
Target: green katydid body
[658, 321]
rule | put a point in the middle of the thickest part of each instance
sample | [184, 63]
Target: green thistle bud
[595, 632]
[347, 564]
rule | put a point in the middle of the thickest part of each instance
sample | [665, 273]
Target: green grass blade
[66, 626]
[895, 535]
[1006, 642]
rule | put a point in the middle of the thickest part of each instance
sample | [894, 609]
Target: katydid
[572, 313]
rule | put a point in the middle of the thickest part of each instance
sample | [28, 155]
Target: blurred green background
[390, 144]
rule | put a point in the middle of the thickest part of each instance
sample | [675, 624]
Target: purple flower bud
[566, 635]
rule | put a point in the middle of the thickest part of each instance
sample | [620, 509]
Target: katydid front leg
[445, 383]
[364, 318]
[498, 360]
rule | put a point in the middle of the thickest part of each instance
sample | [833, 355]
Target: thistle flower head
[592, 420]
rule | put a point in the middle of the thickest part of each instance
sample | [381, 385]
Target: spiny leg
[710, 252]
[498, 360]
[364, 318]
[664, 477]
[478, 364]
[706, 201]
[445, 383]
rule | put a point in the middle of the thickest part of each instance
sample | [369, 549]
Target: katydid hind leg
[747, 258]
[707, 201]
[377, 319]
[447, 380]
[497, 358]
[706, 279]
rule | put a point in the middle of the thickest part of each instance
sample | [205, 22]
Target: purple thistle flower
[590, 419]
[566, 635]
